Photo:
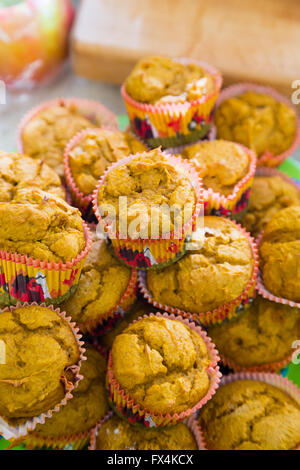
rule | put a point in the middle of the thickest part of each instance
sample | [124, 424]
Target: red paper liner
[267, 159]
[10, 432]
[135, 413]
[272, 379]
[221, 313]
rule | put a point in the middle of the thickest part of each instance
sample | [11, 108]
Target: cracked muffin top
[42, 226]
[280, 254]
[225, 261]
[162, 364]
[48, 132]
[257, 121]
[20, 171]
[102, 283]
[118, 434]
[88, 405]
[221, 164]
[40, 350]
[250, 415]
[268, 195]
[262, 334]
[98, 149]
[156, 80]
[150, 181]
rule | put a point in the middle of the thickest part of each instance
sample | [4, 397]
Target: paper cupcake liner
[25, 279]
[212, 135]
[223, 312]
[267, 159]
[272, 379]
[174, 124]
[135, 413]
[276, 366]
[267, 171]
[74, 442]
[10, 432]
[152, 253]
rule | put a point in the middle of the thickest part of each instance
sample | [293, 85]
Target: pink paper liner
[10, 432]
[272, 379]
[171, 418]
[220, 313]
[267, 159]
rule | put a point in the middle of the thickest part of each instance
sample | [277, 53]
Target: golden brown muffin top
[150, 181]
[279, 254]
[262, 334]
[118, 434]
[40, 347]
[20, 171]
[88, 405]
[98, 149]
[268, 195]
[162, 80]
[225, 261]
[257, 121]
[162, 364]
[48, 132]
[250, 415]
[42, 226]
[221, 164]
[102, 283]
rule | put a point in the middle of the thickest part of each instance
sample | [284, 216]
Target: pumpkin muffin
[220, 164]
[41, 351]
[156, 80]
[42, 226]
[118, 434]
[279, 254]
[262, 334]
[20, 171]
[250, 415]
[257, 121]
[162, 364]
[48, 132]
[224, 261]
[269, 194]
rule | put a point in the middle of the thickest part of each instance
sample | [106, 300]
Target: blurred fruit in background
[33, 40]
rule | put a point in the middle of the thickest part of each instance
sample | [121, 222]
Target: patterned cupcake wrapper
[174, 124]
[212, 135]
[13, 433]
[270, 378]
[73, 442]
[124, 405]
[25, 279]
[147, 254]
[267, 159]
[223, 312]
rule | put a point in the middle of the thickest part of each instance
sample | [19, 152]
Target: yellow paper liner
[270, 378]
[135, 413]
[152, 253]
[221, 313]
[267, 159]
[12, 433]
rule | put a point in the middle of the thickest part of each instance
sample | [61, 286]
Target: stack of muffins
[173, 253]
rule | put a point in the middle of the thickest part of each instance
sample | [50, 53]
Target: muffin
[250, 415]
[42, 362]
[269, 194]
[260, 338]
[279, 254]
[20, 171]
[117, 434]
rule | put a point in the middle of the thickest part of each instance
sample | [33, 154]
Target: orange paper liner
[270, 378]
[219, 314]
[12, 433]
[135, 413]
[152, 253]
[268, 158]
[169, 124]
[26, 279]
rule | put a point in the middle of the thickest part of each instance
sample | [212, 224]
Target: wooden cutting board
[257, 40]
